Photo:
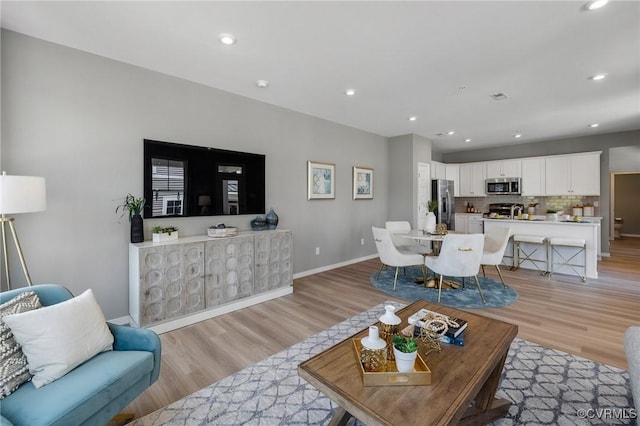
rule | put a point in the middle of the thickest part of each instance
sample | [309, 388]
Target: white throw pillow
[57, 338]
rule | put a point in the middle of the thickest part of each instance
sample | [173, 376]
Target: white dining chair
[391, 256]
[495, 244]
[398, 227]
[460, 256]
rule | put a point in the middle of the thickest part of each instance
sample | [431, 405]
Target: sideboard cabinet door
[273, 260]
[229, 269]
[171, 282]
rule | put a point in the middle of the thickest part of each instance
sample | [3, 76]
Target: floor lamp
[19, 194]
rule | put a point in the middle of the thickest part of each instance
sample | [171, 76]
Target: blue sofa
[95, 391]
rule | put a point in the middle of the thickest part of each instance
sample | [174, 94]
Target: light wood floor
[562, 313]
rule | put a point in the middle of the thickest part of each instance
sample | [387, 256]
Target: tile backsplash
[559, 203]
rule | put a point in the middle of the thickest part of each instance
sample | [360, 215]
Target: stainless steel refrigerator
[442, 192]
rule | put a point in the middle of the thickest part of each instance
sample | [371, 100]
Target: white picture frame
[321, 180]
[362, 183]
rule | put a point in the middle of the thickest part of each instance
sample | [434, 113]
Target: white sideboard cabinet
[180, 282]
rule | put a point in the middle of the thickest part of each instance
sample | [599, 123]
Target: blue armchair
[93, 392]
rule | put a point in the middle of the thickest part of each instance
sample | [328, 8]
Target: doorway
[625, 197]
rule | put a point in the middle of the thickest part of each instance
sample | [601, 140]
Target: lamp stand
[5, 253]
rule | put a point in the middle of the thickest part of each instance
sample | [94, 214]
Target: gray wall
[405, 152]
[625, 159]
[603, 142]
[79, 120]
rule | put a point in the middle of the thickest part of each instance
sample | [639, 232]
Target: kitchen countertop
[547, 228]
[541, 219]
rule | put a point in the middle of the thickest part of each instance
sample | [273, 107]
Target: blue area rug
[468, 297]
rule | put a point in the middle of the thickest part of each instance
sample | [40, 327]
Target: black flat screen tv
[185, 180]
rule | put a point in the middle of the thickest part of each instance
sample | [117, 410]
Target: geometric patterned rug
[547, 387]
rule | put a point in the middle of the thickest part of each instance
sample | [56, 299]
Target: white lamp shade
[22, 194]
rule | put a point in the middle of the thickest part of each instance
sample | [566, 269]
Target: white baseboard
[221, 310]
[630, 235]
[125, 320]
[334, 266]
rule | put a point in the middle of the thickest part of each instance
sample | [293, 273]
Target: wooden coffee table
[464, 379]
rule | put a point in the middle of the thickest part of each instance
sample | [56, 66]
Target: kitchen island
[589, 231]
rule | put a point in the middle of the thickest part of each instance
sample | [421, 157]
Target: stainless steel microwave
[506, 186]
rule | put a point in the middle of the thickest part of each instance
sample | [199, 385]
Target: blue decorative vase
[137, 230]
[259, 224]
[272, 219]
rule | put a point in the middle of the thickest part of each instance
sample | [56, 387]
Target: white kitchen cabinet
[461, 223]
[438, 170]
[452, 172]
[469, 223]
[504, 169]
[472, 177]
[180, 282]
[577, 174]
[533, 176]
[475, 224]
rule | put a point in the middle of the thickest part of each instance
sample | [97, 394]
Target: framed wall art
[362, 183]
[321, 180]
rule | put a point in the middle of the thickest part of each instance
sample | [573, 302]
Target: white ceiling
[437, 60]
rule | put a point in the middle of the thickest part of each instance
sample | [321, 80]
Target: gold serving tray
[420, 376]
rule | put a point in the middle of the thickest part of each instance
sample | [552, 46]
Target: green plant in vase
[164, 230]
[432, 206]
[405, 344]
[405, 352]
[132, 207]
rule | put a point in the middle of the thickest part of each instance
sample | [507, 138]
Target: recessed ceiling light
[517, 135]
[350, 92]
[227, 39]
[263, 84]
[598, 77]
[594, 125]
[596, 4]
[499, 96]
[413, 118]
[467, 140]
[451, 132]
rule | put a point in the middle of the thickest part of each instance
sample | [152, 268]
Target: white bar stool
[578, 243]
[520, 255]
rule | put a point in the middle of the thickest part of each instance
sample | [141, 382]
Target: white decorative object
[389, 317]
[222, 232]
[552, 217]
[431, 223]
[165, 236]
[405, 362]
[58, 338]
[373, 355]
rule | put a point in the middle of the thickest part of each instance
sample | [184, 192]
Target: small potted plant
[552, 215]
[405, 351]
[164, 233]
[132, 207]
